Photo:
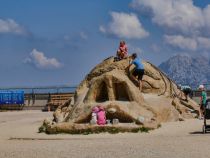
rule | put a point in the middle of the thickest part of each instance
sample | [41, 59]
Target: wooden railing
[197, 93]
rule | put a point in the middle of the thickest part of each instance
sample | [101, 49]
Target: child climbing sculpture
[138, 71]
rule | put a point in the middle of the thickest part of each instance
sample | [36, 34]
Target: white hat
[201, 87]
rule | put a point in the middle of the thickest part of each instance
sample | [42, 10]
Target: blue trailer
[11, 98]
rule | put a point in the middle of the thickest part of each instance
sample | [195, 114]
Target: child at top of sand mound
[122, 51]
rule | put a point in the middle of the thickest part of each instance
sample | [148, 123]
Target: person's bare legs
[138, 81]
[140, 85]
[181, 94]
[201, 113]
[185, 95]
[134, 78]
[187, 98]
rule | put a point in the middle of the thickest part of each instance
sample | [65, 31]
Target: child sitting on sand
[122, 51]
[101, 116]
[94, 119]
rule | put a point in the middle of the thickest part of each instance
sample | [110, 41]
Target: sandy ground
[172, 140]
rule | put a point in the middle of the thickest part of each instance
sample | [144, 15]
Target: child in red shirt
[122, 51]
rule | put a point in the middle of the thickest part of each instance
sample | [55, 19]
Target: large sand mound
[109, 85]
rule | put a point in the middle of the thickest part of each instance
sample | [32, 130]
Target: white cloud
[178, 15]
[155, 47]
[124, 26]
[188, 43]
[102, 29]
[207, 17]
[66, 37]
[181, 42]
[134, 49]
[187, 24]
[83, 35]
[10, 26]
[39, 59]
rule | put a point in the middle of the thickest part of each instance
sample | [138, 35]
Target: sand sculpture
[109, 85]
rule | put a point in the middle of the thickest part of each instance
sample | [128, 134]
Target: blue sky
[51, 42]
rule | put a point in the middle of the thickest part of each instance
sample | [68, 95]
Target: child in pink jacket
[101, 116]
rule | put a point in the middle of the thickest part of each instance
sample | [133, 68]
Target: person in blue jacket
[138, 70]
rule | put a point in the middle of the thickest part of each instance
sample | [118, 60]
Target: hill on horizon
[187, 70]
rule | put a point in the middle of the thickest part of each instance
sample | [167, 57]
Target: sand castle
[109, 85]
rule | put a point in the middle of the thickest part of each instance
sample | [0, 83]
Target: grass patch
[159, 125]
[144, 129]
[42, 129]
[93, 130]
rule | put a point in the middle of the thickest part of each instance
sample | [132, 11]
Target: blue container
[11, 97]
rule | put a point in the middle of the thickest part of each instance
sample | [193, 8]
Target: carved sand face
[115, 91]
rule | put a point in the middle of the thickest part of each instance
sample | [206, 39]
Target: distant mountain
[187, 70]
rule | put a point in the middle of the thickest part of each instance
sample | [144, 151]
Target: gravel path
[19, 139]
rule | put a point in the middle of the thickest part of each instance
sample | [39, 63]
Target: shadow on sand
[199, 132]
